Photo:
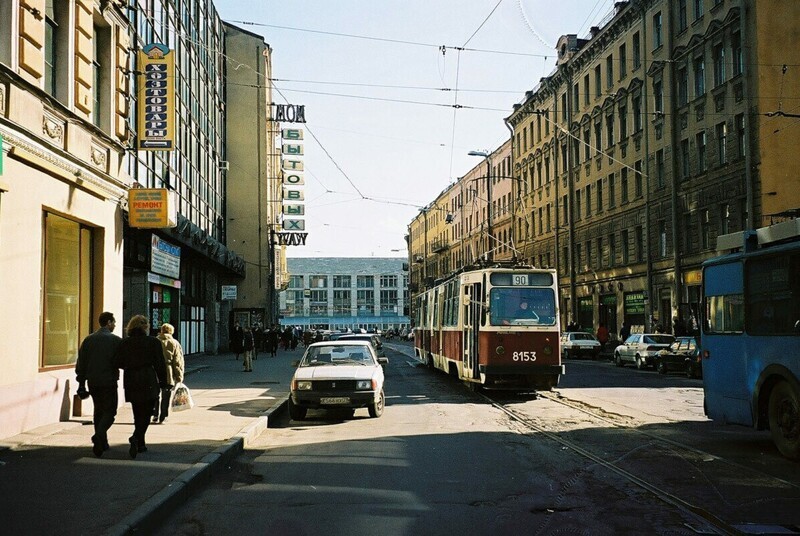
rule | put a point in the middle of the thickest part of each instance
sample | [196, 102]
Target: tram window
[523, 306]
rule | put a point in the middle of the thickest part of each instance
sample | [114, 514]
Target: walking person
[257, 337]
[237, 339]
[96, 366]
[173, 359]
[625, 331]
[272, 337]
[247, 347]
[142, 358]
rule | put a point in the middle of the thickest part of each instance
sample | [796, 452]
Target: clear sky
[379, 95]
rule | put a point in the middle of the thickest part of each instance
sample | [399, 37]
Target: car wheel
[689, 370]
[618, 360]
[661, 367]
[296, 413]
[639, 362]
[376, 408]
[784, 419]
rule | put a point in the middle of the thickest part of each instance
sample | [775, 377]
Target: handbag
[181, 398]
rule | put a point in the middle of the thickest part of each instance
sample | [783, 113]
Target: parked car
[373, 339]
[576, 344]
[641, 349]
[683, 355]
[338, 375]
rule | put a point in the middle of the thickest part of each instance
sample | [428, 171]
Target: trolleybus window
[773, 306]
[522, 306]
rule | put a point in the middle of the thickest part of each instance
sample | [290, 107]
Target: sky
[390, 114]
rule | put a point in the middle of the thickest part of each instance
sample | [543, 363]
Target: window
[341, 281]
[588, 255]
[639, 237]
[577, 204]
[724, 218]
[319, 281]
[722, 136]
[588, 200]
[683, 86]
[612, 191]
[388, 302]
[623, 184]
[773, 294]
[637, 114]
[599, 189]
[685, 159]
[50, 52]
[610, 71]
[705, 229]
[341, 302]
[740, 138]
[682, 20]
[100, 77]
[701, 151]
[365, 301]
[725, 314]
[296, 281]
[365, 281]
[623, 123]
[597, 82]
[598, 137]
[56, 43]
[719, 64]
[549, 218]
[699, 76]
[612, 250]
[388, 281]
[657, 38]
[599, 255]
[576, 96]
[738, 59]
[698, 9]
[625, 247]
[587, 143]
[623, 60]
[662, 238]
[637, 51]
[637, 179]
[660, 168]
[586, 90]
[564, 107]
[658, 96]
[610, 130]
[67, 292]
[578, 258]
[564, 210]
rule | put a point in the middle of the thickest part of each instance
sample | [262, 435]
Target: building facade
[63, 122]
[341, 293]
[664, 128]
[254, 176]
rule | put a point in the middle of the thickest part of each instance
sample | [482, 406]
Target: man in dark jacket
[97, 367]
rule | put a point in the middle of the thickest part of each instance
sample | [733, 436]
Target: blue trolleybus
[751, 333]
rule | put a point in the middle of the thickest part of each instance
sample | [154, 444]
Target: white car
[579, 344]
[338, 375]
[641, 349]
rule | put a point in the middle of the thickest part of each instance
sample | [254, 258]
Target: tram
[494, 327]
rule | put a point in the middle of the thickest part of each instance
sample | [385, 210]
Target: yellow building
[63, 120]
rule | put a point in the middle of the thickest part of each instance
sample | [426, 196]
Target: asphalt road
[624, 455]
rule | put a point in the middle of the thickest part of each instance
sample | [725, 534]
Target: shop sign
[165, 258]
[152, 208]
[161, 280]
[634, 303]
[156, 98]
[229, 292]
[290, 113]
[694, 277]
[293, 211]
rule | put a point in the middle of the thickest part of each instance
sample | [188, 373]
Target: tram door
[472, 322]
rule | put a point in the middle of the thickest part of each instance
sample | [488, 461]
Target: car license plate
[334, 400]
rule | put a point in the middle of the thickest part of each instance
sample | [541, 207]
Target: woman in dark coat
[237, 340]
[141, 357]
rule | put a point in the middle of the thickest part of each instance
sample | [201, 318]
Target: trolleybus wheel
[376, 408]
[296, 413]
[784, 419]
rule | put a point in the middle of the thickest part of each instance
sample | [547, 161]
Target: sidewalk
[51, 483]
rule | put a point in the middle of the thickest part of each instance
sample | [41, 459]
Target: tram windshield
[519, 306]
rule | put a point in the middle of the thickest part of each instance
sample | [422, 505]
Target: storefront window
[67, 292]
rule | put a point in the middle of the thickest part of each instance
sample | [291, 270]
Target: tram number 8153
[524, 356]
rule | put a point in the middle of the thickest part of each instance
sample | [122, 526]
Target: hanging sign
[156, 98]
[293, 225]
[290, 113]
[152, 208]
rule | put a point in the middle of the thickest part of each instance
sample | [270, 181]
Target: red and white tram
[496, 327]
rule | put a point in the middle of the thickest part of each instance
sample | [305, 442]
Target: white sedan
[641, 349]
[338, 375]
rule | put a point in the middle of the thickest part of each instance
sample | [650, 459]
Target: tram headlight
[548, 350]
[500, 350]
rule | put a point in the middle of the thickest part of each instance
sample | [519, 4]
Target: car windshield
[583, 337]
[337, 355]
[658, 339]
[522, 306]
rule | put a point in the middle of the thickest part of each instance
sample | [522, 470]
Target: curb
[158, 507]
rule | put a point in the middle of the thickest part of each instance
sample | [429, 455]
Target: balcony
[439, 245]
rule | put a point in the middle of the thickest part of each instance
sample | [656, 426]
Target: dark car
[683, 355]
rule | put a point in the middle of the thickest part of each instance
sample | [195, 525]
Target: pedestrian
[625, 331]
[247, 348]
[173, 359]
[142, 358]
[602, 335]
[286, 338]
[257, 340]
[272, 341]
[96, 367]
[237, 339]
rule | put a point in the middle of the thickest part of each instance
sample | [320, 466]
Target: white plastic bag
[181, 398]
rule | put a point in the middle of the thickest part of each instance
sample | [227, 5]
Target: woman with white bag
[173, 358]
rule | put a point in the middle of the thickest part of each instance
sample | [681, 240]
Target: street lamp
[484, 154]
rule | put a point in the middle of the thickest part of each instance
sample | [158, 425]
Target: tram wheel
[784, 419]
